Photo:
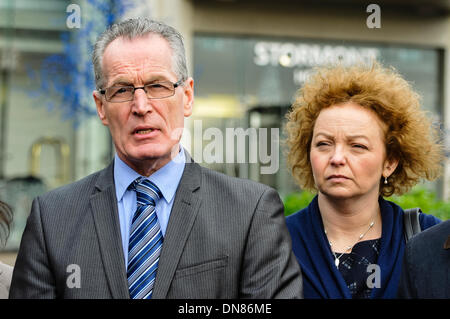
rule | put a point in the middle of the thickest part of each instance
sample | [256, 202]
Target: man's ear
[188, 90]
[100, 107]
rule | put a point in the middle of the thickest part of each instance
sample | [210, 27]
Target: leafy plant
[417, 197]
[426, 200]
[296, 201]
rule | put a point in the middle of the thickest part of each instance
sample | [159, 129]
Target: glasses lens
[159, 90]
[119, 93]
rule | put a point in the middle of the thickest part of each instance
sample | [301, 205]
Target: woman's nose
[338, 156]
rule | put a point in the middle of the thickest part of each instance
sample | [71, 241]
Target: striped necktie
[145, 241]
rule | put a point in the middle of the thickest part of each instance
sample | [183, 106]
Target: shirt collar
[166, 178]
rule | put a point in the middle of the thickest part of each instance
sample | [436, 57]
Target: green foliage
[417, 197]
[426, 200]
[293, 202]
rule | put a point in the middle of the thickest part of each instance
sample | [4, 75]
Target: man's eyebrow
[121, 82]
[150, 80]
[157, 78]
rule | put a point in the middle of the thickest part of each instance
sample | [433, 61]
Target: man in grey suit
[207, 235]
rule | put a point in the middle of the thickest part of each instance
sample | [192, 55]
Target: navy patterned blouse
[353, 267]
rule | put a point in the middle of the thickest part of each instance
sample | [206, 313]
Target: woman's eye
[360, 146]
[321, 144]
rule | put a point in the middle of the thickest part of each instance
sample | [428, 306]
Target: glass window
[252, 81]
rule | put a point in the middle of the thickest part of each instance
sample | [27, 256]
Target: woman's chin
[338, 194]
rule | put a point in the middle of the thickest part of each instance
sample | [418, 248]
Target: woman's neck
[346, 219]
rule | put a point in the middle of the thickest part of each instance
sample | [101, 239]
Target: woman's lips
[337, 177]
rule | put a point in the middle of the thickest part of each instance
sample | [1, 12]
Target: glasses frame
[175, 85]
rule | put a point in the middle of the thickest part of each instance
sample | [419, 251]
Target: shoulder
[427, 221]
[436, 234]
[61, 202]
[5, 279]
[298, 217]
[82, 187]
[5, 270]
[426, 251]
[244, 187]
[302, 222]
[218, 191]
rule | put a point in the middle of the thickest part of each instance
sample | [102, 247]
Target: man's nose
[140, 104]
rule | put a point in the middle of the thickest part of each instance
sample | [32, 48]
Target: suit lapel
[185, 208]
[106, 220]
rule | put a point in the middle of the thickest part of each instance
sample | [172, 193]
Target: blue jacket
[321, 278]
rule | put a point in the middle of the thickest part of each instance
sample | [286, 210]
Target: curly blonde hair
[410, 136]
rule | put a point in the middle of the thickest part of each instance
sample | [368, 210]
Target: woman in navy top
[355, 135]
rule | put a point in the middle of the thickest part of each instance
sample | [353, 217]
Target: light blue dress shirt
[166, 178]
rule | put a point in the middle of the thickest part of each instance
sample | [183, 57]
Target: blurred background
[247, 57]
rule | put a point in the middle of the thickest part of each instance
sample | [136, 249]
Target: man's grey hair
[135, 28]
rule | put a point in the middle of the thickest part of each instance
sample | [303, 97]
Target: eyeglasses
[159, 90]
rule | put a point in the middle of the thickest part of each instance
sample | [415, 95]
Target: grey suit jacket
[226, 238]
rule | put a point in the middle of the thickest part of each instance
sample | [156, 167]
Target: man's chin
[152, 156]
[155, 154]
[148, 163]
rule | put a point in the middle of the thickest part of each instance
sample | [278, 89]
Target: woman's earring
[385, 181]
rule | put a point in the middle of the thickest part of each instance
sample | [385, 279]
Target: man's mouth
[143, 132]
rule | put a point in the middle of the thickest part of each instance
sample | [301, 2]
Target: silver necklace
[336, 258]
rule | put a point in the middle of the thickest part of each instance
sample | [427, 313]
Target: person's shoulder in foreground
[426, 267]
[6, 218]
[5, 279]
